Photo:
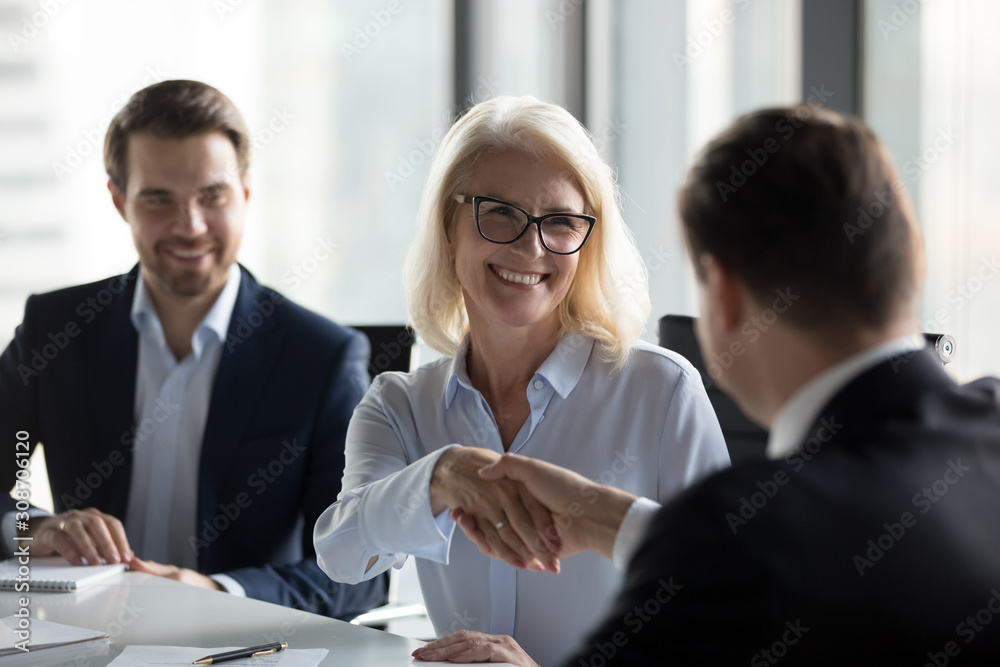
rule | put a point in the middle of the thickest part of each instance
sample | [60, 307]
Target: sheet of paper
[41, 634]
[160, 656]
[48, 643]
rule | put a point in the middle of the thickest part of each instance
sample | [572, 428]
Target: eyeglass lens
[502, 223]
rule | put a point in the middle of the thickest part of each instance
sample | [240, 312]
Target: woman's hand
[469, 646]
[517, 528]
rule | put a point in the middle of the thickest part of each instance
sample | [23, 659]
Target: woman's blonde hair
[609, 297]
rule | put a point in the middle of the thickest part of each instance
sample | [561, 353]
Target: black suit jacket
[878, 543]
[272, 455]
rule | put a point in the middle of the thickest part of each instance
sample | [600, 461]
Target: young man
[193, 421]
[870, 535]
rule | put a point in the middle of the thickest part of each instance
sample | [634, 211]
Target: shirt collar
[565, 365]
[146, 319]
[793, 420]
[562, 369]
[459, 376]
[217, 319]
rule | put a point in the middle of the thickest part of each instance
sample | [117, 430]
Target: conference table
[142, 609]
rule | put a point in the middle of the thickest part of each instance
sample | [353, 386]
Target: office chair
[745, 440]
[392, 347]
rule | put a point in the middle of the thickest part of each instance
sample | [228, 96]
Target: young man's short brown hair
[806, 200]
[174, 110]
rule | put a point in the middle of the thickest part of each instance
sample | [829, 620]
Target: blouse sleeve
[383, 508]
[693, 446]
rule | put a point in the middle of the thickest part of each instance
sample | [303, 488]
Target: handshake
[526, 512]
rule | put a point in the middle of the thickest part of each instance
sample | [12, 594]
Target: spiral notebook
[55, 574]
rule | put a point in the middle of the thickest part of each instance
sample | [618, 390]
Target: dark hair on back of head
[805, 199]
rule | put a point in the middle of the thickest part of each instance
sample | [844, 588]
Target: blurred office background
[347, 100]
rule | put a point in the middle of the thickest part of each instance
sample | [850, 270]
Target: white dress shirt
[171, 407]
[788, 431]
[649, 429]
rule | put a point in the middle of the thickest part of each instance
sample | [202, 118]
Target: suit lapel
[111, 367]
[252, 345]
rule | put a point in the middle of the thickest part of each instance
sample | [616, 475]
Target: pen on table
[250, 652]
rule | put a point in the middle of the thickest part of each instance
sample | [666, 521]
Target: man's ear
[727, 294]
[118, 199]
[245, 180]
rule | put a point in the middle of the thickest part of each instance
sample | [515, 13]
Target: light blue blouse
[648, 428]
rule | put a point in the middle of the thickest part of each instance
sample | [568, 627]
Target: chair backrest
[744, 438]
[392, 345]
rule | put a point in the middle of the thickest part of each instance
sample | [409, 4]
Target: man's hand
[469, 646]
[82, 537]
[181, 574]
[586, 514]
[511, 522]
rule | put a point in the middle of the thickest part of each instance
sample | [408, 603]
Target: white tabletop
[143, 609]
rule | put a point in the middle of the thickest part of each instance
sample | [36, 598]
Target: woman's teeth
[523, 279]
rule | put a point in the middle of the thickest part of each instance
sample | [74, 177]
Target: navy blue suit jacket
[876, 544]
[272, 455]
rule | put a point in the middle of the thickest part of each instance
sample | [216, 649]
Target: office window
[931, 89]
[370, 83]
[677, 74]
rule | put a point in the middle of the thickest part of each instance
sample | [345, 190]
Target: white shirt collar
[562, 369]
[146, 319]
[793, 420]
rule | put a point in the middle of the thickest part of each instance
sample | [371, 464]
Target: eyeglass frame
[536, 220]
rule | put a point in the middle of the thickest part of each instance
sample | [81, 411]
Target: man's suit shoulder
[80, 302]
[911, 442]
[301, 325]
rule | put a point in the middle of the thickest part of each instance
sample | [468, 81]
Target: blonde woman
[524, 275]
